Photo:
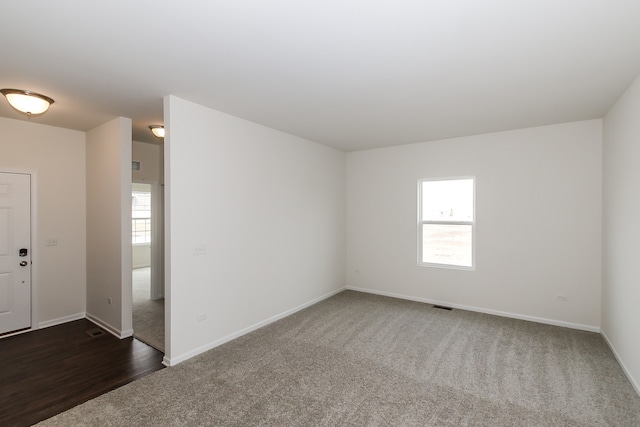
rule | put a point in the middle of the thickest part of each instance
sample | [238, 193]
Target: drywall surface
[621, 231]
[255, 224]
[141, 255]
[57, 157]
[109, 225]
[150, 158]
[537, 232]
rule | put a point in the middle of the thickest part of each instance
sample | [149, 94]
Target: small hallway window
[140, 217]
[446, 222]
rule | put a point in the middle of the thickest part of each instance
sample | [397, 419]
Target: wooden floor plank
[48, 371]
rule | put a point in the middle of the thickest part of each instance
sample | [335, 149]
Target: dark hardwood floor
[48, 371]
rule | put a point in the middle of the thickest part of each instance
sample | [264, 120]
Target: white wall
[538, 213]
[109, 225]
[269, 210]
[57, 156]
[141, 255]
[621, 231]
[150, 158]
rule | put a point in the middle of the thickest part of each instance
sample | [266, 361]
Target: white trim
[166, 361]
[35, 266]
[482, 310]
[626, 371]
[112, 330]
[61, 320]
[20, 332]
[178, 359]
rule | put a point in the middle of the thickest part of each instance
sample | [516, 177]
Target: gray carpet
[148, 315]
[364, 360]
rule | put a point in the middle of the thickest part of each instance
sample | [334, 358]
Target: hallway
[148, 315]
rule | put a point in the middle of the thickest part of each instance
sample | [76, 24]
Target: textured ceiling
[351, 74]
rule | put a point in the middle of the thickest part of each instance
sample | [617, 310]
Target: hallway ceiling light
[158, 130]
[27, 102]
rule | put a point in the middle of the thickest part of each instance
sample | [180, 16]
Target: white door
[15, 252]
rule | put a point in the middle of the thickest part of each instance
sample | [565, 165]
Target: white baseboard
[20, 332]
[109, 328]
[72, 317]
[188, 355]
[481, 310]
[61, 320]
[626, 371]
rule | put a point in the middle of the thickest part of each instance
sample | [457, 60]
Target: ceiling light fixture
[27, 102]
[158, 131]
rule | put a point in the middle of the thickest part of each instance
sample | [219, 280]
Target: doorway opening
[147, 287]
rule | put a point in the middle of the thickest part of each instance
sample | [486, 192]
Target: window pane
[141, 230]
[140, 204]
[450, 200]
[447, 244]
[141, 217]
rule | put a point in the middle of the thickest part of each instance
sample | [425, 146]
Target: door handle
[23, 263]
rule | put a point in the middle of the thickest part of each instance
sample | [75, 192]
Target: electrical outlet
[52, 241]
[201, 317]
[109, 301]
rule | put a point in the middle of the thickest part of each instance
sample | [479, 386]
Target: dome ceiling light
[27, 102]
[158, 131]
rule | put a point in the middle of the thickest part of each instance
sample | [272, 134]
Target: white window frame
[472, 223]
[143, 218]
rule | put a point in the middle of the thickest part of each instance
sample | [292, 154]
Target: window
[445, 232]
[140, 217]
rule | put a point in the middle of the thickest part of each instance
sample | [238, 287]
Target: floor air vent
[442, 307]
[95, 332]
